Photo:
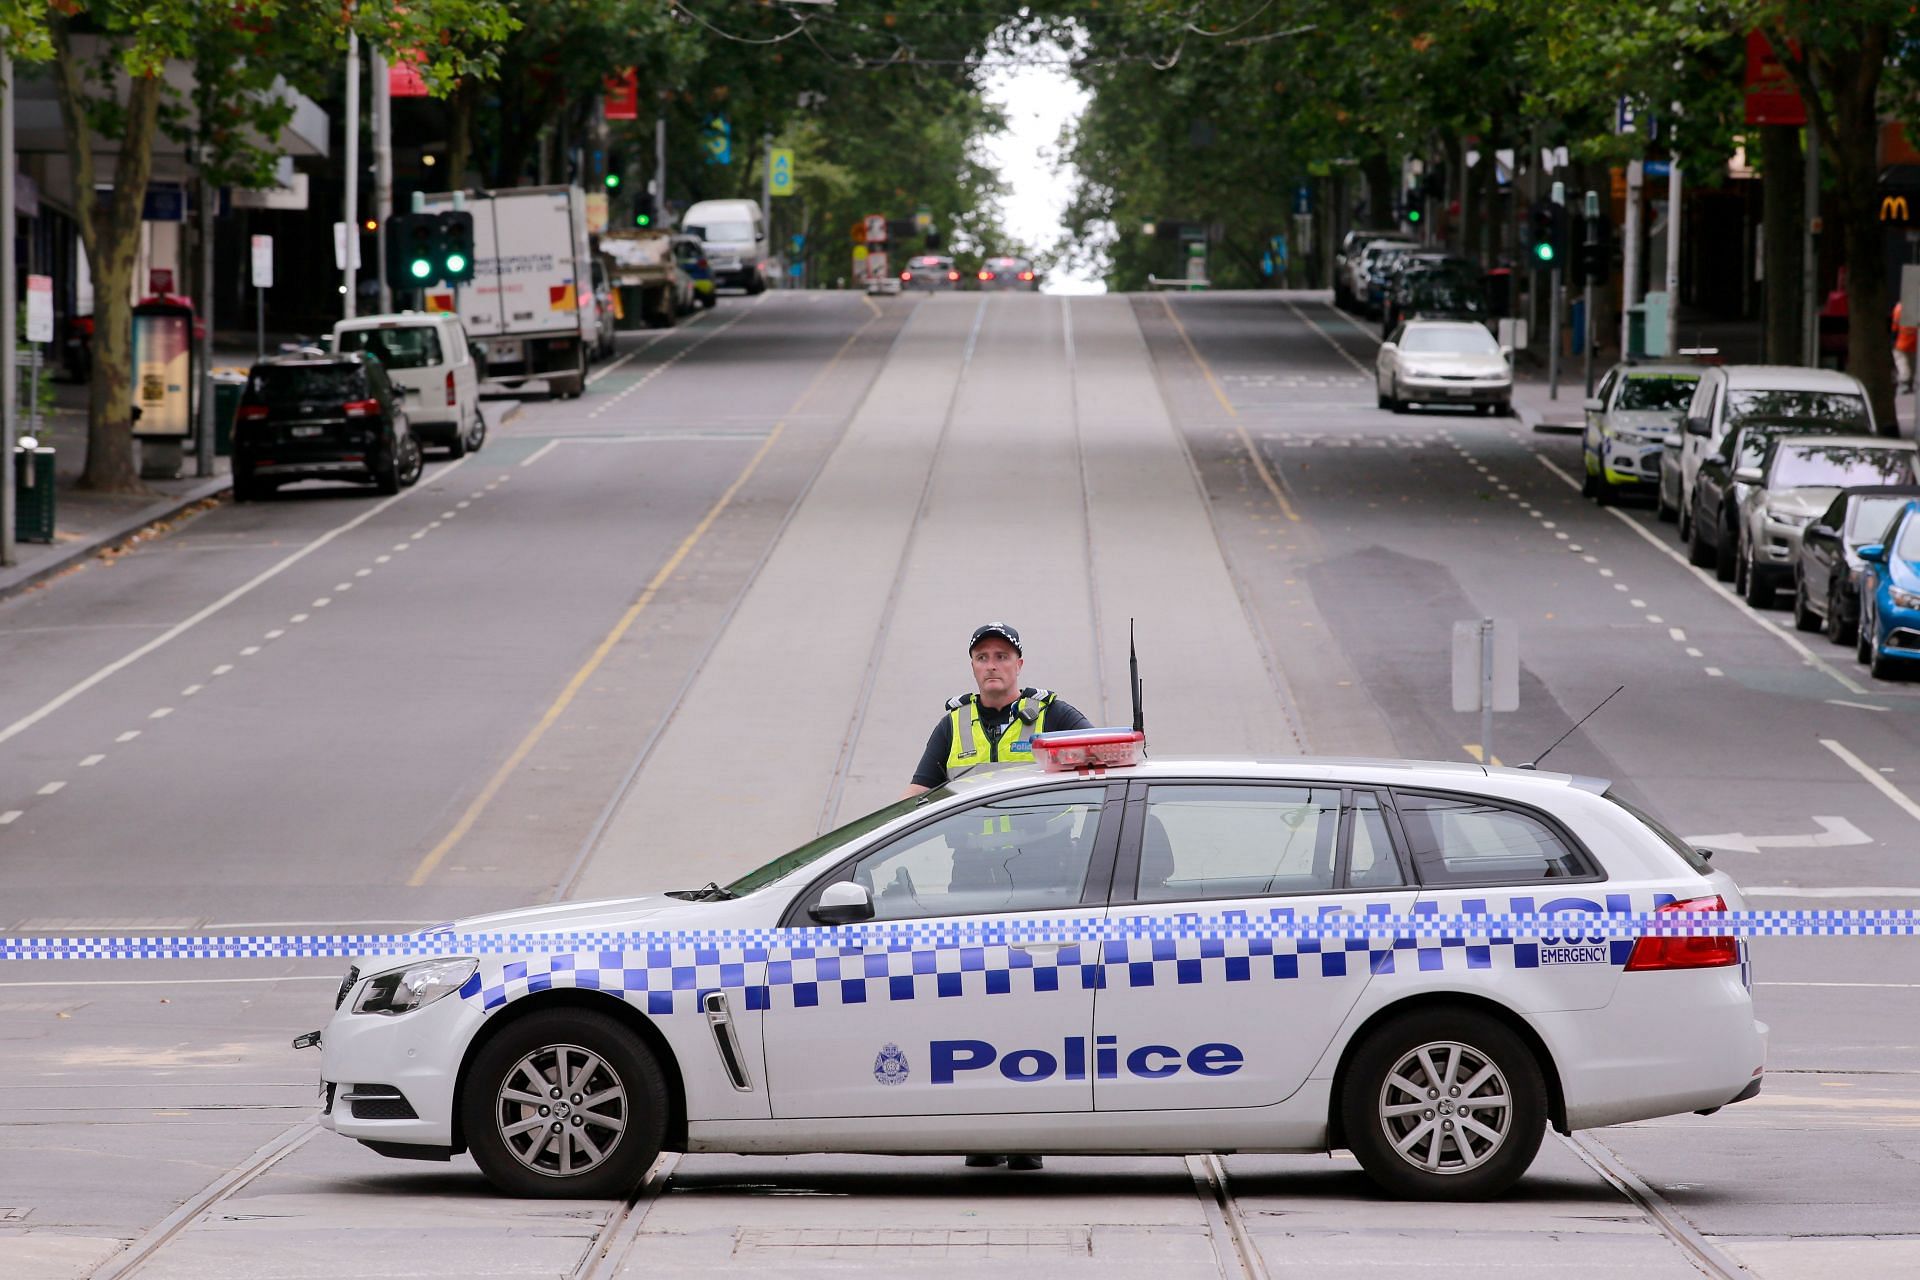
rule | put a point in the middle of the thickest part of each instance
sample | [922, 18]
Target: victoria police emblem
[890, 1065]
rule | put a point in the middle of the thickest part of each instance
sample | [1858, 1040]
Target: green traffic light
[613, 180]
[642, 219]
[1413, 215]
[456, 263]
[420, 268]
[1543, 251]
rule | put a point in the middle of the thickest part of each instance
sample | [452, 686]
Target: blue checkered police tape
[759, 943]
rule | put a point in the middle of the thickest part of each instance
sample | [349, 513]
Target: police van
[1089, 954]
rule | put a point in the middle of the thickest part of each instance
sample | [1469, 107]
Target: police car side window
[1237, 842]
[1465, 840]
[1022, 853]
[1370, 863]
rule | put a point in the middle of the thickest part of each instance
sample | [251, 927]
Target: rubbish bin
[33, 494]
[227, 390]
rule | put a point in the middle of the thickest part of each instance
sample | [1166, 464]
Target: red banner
[1772, 97]
[623, 95]
[403, 76]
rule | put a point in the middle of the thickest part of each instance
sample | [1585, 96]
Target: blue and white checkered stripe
[1435, 929]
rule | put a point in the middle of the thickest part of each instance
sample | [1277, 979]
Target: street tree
[109, 60]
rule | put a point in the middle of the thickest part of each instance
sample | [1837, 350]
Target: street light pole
[1630, 245]
[350, 228]
[382, 169]
[1554, 303]
[1592, 242]
[1673, 257]
[9, 371]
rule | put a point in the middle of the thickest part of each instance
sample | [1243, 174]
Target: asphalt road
[553, 668]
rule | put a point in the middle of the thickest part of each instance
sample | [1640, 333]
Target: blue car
[1890, 596]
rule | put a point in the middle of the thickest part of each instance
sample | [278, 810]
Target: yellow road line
[1267, 477]
[553, 713]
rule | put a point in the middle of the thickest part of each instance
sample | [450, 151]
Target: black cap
[1000, 629]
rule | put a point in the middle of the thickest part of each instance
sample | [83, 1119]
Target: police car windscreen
[1657, 392]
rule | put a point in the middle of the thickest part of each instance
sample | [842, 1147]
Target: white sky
[1038, 101]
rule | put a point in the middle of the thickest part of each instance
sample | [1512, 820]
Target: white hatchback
[426, 355]
[1020, 961]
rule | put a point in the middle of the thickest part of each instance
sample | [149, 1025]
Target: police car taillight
[1089, 749]
[1685, 953]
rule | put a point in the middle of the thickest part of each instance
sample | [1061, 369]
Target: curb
[20, 577]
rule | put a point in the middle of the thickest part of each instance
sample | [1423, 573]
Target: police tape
[1548, 927]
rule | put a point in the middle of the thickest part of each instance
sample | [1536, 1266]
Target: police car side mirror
[1594, 404]
[1696, 426]
[1672, 440]
[843, 902]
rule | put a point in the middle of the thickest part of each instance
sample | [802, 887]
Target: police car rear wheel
[1444, 1105]
[565, 1103]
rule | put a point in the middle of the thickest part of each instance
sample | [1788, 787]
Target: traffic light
[643, 211]
[1549, 227]
[1593, 256]
[613, 181]
[455, 243]
[411, 260]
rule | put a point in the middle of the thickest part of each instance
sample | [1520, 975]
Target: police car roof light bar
[1089, 750]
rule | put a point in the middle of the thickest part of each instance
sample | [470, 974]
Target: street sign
[1486, 673]
[403, 75]
[262, 262]
[922, 220]
[39, 308]
[799, 242]
[342, 243]
[876, 228]
[780, 171]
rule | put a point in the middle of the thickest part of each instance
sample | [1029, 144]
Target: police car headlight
[405, 990]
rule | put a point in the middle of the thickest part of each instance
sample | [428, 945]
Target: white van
[427, 356]
[736, 238]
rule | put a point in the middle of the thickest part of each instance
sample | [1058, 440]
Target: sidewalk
[86, 523]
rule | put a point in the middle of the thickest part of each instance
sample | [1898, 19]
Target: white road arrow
[1837, 833]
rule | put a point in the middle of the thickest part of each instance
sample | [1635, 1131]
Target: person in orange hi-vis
[1906, 338]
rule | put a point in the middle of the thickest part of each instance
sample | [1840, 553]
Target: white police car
[957, 1023]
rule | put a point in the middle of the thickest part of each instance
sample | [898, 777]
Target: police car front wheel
[1444, 1105]
[565, 1102]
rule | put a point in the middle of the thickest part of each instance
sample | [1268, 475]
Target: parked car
[327, 417]
[1795, 481]
[605, 309]
[1444, 362]
[1826, 569]
[1361, 268]
[1632, 412]
[736, 241]
[1712, 520]
[1009, 273]
[1732, 394]
[930, 273]
[1346, 259]
[691, 254]
[1374, 300]
[431, 360]
[1889, 632]
[1450, 283]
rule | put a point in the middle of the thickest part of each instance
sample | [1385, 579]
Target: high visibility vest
[970, 745]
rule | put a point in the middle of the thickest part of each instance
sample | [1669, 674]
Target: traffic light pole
[382, 169]
[1554, 303]
[1588, 261]
[350, 224]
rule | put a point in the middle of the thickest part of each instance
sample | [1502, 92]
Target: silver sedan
[1444, 362]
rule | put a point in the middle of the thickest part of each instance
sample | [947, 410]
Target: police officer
[992, 726]
[997, 724]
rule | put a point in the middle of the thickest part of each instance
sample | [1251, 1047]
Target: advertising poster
[162, 385]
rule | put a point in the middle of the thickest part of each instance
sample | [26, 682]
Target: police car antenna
[1133, 673]
[1569, 733]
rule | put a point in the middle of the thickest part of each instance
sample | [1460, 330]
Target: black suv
[321, 417]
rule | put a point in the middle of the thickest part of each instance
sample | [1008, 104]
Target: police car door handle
[1038, 950]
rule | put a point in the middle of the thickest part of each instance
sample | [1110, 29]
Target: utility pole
[660, 167]
[1810, 252]
[350, 230]
[1630, 238]
[9, 338]
[1673, 256]
[1589, 257]
[766, 187]
[203, 430]
[1554, 301]
[382, 169]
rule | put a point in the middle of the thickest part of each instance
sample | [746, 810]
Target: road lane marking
[9, 817]
[654, 585]
[92, 760]
[1246, 441]
[191, 689]
[250, 650]
[1345, 354]
[1873, 778]
[1858, 706]
[1831, 891]
[181, 628]
[674, 359]
[540, 453]
[50, 788]
[160, 713]
[1785, 637]
[128, 736]
[1834, 833]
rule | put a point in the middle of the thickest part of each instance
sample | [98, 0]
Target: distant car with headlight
[1444, 362]
[924, 981]
[1796, 480]
[1628, 419]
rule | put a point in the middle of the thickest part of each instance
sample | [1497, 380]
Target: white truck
[531, 302]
